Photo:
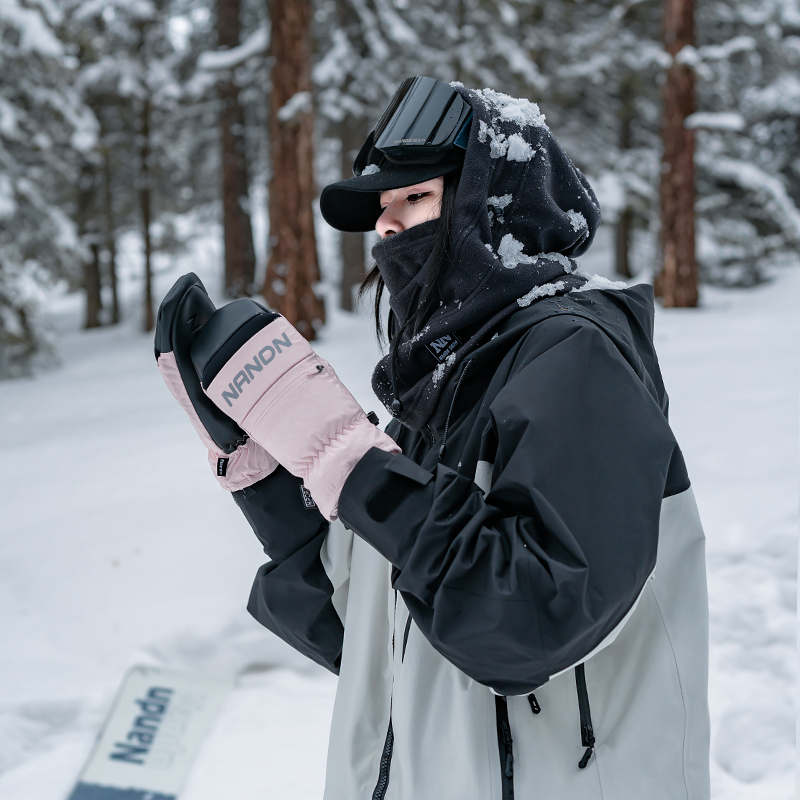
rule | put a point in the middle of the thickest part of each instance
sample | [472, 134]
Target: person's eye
[415, 198]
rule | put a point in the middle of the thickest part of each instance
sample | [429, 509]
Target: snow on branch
[768, 187]
[255, 44]
[34, 34]
[715, 121]
[395, 26]
[299, 103]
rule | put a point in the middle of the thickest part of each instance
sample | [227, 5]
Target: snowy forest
[154, 117]
[141, 140]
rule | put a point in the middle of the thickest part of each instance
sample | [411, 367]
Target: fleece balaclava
[522, 212]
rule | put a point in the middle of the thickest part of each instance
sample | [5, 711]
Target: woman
[516, 601]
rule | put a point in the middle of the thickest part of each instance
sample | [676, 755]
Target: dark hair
[440, 243]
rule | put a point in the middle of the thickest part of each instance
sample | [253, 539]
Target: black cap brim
[354, 204]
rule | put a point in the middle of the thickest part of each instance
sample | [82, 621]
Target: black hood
[523, 211]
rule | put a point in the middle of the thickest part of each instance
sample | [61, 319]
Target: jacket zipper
[386, 763]
[506, 747]
[386, 756]
[587, 732]
[452, 405]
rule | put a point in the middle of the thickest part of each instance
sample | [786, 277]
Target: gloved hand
[237, 461]
[256, 368]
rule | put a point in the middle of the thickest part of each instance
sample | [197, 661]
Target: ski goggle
[422, 124]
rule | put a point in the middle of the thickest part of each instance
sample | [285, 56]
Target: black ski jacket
[567, 404]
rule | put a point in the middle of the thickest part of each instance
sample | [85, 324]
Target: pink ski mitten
[262, 373]
[237, 460]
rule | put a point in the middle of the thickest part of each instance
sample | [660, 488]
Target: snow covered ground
[117, 547]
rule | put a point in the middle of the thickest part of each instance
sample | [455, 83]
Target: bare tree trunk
[240, 257]
[624, 225]
[676, 284]
[94, 299]
[622, 232]
[87, 230]
[145, 207]
[292, 269]
[352, 135]
[110, 238]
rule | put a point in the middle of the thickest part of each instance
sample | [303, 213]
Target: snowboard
[151, 735]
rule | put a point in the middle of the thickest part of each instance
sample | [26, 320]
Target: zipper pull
[587, 734]
[535, 707]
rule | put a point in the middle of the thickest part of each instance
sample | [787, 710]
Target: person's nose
[389, 221]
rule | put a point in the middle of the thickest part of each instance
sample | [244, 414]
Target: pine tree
[747, 63]
[292, 270]
[45, 132]
[676, 283]
[240, 260]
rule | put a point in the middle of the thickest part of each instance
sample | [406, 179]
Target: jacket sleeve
[292, 594]
[516, 586]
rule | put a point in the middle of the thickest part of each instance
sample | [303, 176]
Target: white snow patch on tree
[610, 191]
[518, 149]
[298, 103]
[255, 44]
[781, 97]
[720, 121]
[8, 204]
[768, 188]
[34, 34]
[717, 52]
[9, 119]
[546, 290]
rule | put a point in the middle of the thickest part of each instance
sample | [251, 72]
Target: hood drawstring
[452, 404]
[397, 405]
